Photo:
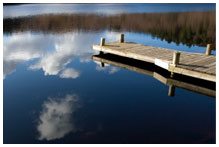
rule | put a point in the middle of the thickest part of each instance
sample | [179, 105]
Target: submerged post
[171, 91]
[208, 50]
[102, 41]
[121, 38]
[176, 56]
[102, 64]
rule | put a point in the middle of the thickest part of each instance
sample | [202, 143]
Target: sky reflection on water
[54, 52]
[55, 120]
[56, 72]
[55, 93]
[106, 9]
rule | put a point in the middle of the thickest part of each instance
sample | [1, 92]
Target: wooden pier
[197, 65]
[197, 86]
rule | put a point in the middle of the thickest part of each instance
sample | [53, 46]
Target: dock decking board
[191, 64]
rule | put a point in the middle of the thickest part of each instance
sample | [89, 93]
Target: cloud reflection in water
[21, 47]
[69, 73]
[53, 52]
[107, 68]
[55, 120]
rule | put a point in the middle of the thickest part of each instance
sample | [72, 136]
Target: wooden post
[100, 53]
[175, 61]
[121, 38]
[176, 56]
[171, 74]
[102, 64]
[102, 42]
[208, 50]
[171, 91]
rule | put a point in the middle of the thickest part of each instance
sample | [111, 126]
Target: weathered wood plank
[200, 65]
[191, 64]
[206, 64]
[196, 74]
[159, 77]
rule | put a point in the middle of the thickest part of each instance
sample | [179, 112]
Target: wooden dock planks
[167, 81]
[191, 64]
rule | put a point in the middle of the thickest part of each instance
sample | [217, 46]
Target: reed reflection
[190, 28]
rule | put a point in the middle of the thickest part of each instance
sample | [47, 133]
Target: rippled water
[55, 93]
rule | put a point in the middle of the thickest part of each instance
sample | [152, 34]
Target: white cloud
[107, 68]
[21, 47]
[67, 46]
[113, 70]
[9, 67]
[70, 73]
[52, 52]
[112, 36]
[53, 63]
[55, 120]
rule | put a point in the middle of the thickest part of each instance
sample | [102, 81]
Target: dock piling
[208, 50]
[121, 38]
[171, 91]
[176, 56]
[102, 64]
[185, 63]
[175, 61]
[102, 41]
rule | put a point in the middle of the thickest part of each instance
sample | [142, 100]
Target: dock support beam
[208, 50]
[121, 38]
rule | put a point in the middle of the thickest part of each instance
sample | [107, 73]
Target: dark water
[55, 93]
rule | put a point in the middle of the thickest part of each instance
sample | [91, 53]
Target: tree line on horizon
[190, 28]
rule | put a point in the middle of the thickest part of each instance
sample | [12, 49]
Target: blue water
[55, 93]
[105, 9]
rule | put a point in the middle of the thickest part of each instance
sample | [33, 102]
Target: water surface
[55, 93]
[103, 9]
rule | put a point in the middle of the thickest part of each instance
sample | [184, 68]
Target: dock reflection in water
[178, 81]
[54, 93]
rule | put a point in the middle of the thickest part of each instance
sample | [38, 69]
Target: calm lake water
[102, 9]
[55, 93]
